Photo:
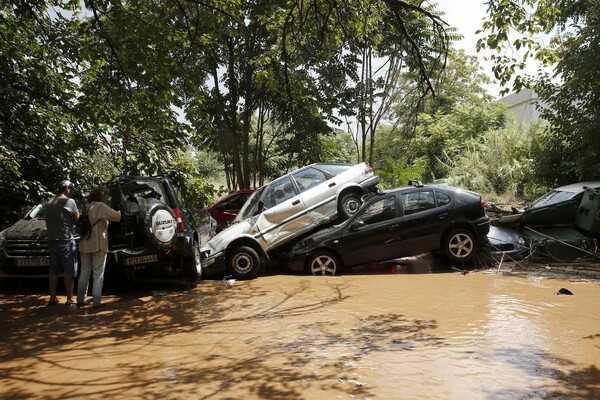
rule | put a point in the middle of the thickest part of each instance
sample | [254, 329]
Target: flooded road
[358, 336]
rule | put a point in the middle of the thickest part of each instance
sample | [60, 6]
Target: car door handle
[442, 216]
[332, 184]
[393, 227]
[295, 203]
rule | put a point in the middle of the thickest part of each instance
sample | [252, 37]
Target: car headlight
[205, 251]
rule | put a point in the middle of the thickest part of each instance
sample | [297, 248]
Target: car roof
[578, 187]
[429, 186]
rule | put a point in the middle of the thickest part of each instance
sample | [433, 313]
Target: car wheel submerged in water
[324, 263]
[459, 245]
[244, 263]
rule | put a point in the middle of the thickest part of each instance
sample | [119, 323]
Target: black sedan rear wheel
[324, 263]
[459, 245]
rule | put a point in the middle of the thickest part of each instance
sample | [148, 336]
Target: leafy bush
[501, 164]
[398, 173]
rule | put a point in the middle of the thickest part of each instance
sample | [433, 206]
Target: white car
[285, 209]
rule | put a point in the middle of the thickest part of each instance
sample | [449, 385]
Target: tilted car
[554, 226]
[227, 208]
[557, 207]
[284, 209]
[159, 235]
[397, 223]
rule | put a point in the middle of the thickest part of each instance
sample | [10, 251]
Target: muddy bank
[382, 334]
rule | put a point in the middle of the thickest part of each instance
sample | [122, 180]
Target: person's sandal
[69, 303]
[51, 303]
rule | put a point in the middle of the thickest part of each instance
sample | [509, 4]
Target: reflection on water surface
[375, 334]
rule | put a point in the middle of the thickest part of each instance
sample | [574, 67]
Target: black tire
[243, 263]
[160, 225]
[323, 263]
[349, 205]
[459, 245]
[192, 265]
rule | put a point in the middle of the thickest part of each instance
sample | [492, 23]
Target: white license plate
[33, 262]
[141, 259]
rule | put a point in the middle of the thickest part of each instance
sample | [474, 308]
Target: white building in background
[523, 105]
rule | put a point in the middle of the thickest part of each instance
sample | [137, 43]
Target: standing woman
[94, 247]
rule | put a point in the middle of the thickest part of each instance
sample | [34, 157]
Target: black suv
[159, 236]
[24, 246]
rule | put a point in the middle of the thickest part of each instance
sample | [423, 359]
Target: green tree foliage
[385, 55]
[100, 87]
[398, 172]
[461, 111]
[135, 55]
[500, 163]
[563, 34]
[442, 138]
[37, 120]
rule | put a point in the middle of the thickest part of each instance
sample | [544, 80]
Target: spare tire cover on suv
[161, 226]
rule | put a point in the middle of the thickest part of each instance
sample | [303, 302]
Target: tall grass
[500, 164]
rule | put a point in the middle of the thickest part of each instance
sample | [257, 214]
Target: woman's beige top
[98, 239]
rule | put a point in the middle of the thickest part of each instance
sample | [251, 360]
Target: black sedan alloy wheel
[324, 263]
[460, 245]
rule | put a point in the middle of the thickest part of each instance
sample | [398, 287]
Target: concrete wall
[523, 105]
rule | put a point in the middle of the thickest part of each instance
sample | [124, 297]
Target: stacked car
[562, 225]
[291, 220]
[398, 223]
[284, 210]
[319, 219]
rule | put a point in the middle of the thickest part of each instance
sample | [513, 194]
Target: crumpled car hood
[29, 229]
[226, 236]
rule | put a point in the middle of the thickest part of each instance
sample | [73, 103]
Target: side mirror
[357, 226]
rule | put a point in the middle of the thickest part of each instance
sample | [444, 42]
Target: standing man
[61, 217]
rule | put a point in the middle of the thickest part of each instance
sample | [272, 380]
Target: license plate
[141, 259]
[33, 262]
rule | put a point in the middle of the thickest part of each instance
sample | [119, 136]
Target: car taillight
[368, 170]
[481, 203]
[179, 220]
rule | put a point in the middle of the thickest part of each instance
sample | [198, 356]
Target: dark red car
[225, 210]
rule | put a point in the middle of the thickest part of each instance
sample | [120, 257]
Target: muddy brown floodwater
[375, 335]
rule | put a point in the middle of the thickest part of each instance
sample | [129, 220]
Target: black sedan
[397, 223]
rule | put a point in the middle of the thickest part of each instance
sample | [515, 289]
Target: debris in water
[563, 291]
